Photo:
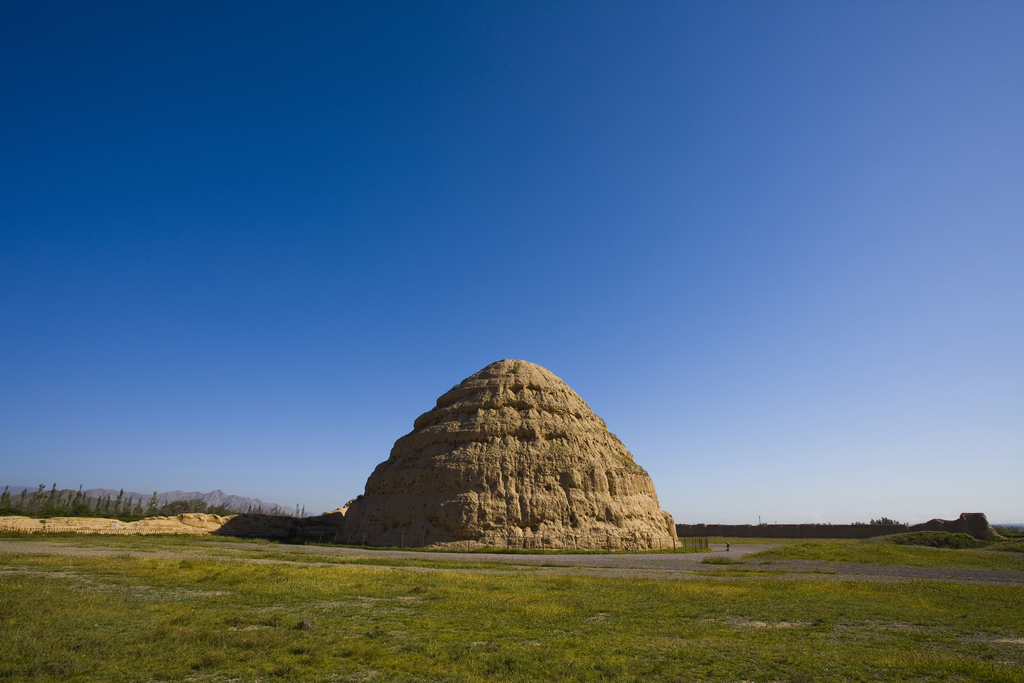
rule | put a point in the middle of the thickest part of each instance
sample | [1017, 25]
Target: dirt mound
[510, 457]
[973, 523]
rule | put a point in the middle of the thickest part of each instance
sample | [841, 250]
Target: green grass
[409, 561]
[880, 551]
[936, 539]
[154, 541]
[1014, 546]
[255, 549]
[203, 618]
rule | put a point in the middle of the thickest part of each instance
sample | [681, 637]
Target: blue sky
[778, 247]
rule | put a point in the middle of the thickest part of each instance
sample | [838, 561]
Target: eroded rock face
[510, 457]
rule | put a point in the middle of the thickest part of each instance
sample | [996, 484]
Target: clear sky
[778, 247]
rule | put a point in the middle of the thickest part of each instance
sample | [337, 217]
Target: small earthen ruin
[510, 457]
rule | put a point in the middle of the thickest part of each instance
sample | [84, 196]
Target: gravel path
[657, 566]
[641, 560]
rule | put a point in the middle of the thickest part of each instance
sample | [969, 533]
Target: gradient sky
[778, 247]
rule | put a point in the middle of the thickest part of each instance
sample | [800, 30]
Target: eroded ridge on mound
[510, 457]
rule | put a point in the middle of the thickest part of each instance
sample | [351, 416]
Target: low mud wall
[257, 525]
[973, 523]
[191, 523]
[791, 530]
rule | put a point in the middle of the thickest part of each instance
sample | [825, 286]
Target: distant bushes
[880, 520]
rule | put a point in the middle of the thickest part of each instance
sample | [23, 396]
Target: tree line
[67, 503]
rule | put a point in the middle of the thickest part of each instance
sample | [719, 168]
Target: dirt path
[640, 560]
[655, 566]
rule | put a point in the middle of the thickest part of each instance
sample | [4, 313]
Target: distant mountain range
[212, 499]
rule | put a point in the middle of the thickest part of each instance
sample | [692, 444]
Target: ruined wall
[253, 525]
[791, 530]
[973, 523]
[258, 525]
[187, 523]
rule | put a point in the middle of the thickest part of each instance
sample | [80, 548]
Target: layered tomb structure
[510, 457]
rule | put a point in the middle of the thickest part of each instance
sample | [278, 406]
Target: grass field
[203, 616]
[881, 552]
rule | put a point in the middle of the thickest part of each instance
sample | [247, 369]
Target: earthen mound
[973, 523]
[510, 457]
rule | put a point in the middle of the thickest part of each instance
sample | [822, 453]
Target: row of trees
[54, 503]
[68, 503]
[881, 520]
